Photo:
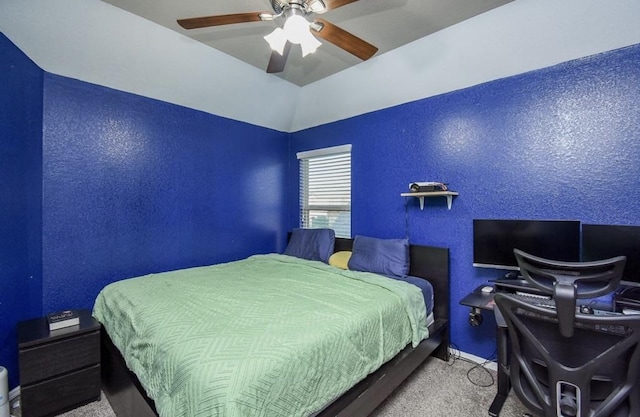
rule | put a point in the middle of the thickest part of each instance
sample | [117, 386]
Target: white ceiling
[387, 24]
[95, 42]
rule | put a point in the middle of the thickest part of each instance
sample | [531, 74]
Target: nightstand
[59, 370]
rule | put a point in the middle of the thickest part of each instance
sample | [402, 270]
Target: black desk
[478, 300]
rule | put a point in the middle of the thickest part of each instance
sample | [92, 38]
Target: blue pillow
[311, 244]
[424, 285]
[380, 256]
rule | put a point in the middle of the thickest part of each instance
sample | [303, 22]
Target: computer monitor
[494, 241]
[601, 241]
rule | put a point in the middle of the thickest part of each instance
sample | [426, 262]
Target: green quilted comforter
[270, 335]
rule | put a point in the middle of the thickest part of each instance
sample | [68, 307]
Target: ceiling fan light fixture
[297, 28]
[277, 40]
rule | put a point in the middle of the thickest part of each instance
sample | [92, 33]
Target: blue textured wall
[20, 203]
[133, 186]
[558, 143]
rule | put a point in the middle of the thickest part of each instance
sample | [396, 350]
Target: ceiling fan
[296, 30]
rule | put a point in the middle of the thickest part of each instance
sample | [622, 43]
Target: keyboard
[535, 299]
[547, 302]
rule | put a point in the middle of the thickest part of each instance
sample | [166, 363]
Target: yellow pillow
[340, 259]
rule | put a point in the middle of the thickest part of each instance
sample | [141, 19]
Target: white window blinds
[325, 189]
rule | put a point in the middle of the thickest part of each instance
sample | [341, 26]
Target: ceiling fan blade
[277, 61]
[343, 39]
[223, 19]
[334, 4]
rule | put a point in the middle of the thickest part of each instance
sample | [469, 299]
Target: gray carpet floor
[436, 389]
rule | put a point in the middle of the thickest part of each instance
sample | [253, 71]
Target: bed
[128, 398]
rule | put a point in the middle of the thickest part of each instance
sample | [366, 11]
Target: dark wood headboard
[428, 262]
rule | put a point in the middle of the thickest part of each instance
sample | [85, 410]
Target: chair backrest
[593, 373]
[566, 282]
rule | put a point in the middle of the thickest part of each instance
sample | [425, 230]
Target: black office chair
[566, 363]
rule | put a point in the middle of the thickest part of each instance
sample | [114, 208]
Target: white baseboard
[14, 393]
[477, 359]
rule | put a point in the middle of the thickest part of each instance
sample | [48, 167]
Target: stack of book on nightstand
[63, 319]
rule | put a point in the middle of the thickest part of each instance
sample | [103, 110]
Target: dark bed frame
[128, 398]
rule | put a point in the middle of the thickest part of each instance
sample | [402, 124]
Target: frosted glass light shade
[296, 30]
[296, 27]
[309, 44]
[277, 40]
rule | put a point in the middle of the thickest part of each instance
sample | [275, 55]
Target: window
[325, 189]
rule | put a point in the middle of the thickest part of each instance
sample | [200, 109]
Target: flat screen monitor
[606, 241]
[494, 241]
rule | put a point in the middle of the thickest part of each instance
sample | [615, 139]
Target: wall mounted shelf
[448, 194]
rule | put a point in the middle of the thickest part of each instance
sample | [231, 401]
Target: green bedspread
[270, 335]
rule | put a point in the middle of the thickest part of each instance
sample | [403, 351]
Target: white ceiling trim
[98, 43]
[512, 39]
